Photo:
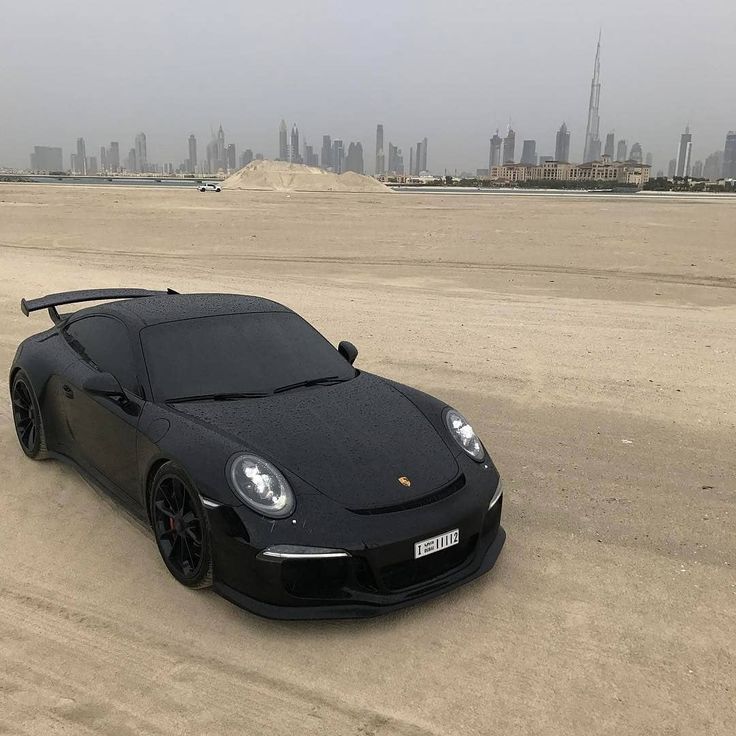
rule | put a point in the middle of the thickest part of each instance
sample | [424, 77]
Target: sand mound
[281, 176]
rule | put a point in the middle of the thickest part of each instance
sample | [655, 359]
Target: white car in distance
[209, 186]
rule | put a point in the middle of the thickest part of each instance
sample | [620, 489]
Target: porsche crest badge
[404, 481]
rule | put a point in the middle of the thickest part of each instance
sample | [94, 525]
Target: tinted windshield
[237, 353]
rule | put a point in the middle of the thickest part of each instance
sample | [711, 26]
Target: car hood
[352, 441]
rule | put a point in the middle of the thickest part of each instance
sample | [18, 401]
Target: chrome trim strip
[268, 552]
[209, 504]
[498, 493]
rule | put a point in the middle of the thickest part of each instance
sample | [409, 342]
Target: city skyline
[648, 92]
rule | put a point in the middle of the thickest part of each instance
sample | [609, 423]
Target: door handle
[67, 391]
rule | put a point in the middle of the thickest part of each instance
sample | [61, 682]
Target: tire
[27, 417]
[180, 527]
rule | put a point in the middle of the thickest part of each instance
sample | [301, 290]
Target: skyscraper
[395, 160]
[81, 160]
[354, 159]
[671, 168]
[92, 165]
[246, 157]
[495, 155]
[294, 155]
[283, 145]
[47, 158]
[509, 145]
[592, 141]
[529, 153]
[419, 158]
[326, 157]
[192, 154]
[698, 170]
[729, 156]
[713, 167]
[412, 165]
[221, 155]
[636, 153]
[682, 167]
[113, 157]
[141, 154]
[338, 156]
[562, 145]
[230, 157]
[608, 151]
[380, 158]
[103, 159]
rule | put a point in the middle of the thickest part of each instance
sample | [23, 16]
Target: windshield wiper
[324, 381]
[218, 397]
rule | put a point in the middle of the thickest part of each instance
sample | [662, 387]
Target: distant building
[81, 160]
[338, 156]
[729, 156]
[698, 170]
[113, 157]
[295, 155]
[605, 170]
[509, 145]
[635, 154]
[132, 164]
[221, 155]
[283, 144]
[529, 153]
[592, 141]
[141, 153]
[544, 159]
[562, 144]
[713, 166]
[682, 167]
[494, 158]
[412, 165]
[621, 151]
[47, 158]
[380, 168]
[192, 153]
[610, 142]
[648, 159]
[671, 167]
[92, 165]
[246, 157]
[310, 157]
[230, 157]
[419, 158]
[395, 160]
[354, 159]
[103, 159]
[326, 156]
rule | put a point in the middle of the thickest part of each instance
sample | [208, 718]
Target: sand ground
[592, 344]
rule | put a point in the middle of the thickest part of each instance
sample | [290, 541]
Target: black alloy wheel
[180, 526]
[27, 418]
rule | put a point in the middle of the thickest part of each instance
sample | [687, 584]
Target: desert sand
[591, 341]
[282, 176]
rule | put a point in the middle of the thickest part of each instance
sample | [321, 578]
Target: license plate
[436, 544]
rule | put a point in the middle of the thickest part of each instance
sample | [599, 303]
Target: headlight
[261, 485]
[464, 435]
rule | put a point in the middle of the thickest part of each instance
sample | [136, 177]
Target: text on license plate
[435, 544]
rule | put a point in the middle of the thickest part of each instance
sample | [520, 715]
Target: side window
[103, 342]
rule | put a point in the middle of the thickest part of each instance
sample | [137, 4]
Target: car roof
[152, 310]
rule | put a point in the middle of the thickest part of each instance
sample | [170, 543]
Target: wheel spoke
[161, 506]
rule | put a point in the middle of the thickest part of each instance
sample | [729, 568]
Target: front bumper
[379, 576]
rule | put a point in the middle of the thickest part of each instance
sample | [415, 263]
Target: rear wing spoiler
[52, 301]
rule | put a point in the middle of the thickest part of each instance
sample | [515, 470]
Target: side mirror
[348, 351]
[103, 384]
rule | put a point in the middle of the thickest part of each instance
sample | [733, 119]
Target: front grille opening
[413, 572]
[438, 495]
[315, 578]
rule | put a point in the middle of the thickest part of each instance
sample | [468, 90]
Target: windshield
[237, 353]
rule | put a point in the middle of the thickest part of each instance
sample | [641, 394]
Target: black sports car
[266, 464]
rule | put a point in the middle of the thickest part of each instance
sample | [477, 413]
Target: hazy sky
[453, 71]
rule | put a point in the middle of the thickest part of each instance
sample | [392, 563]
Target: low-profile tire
[180, 527]
[27, 417]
